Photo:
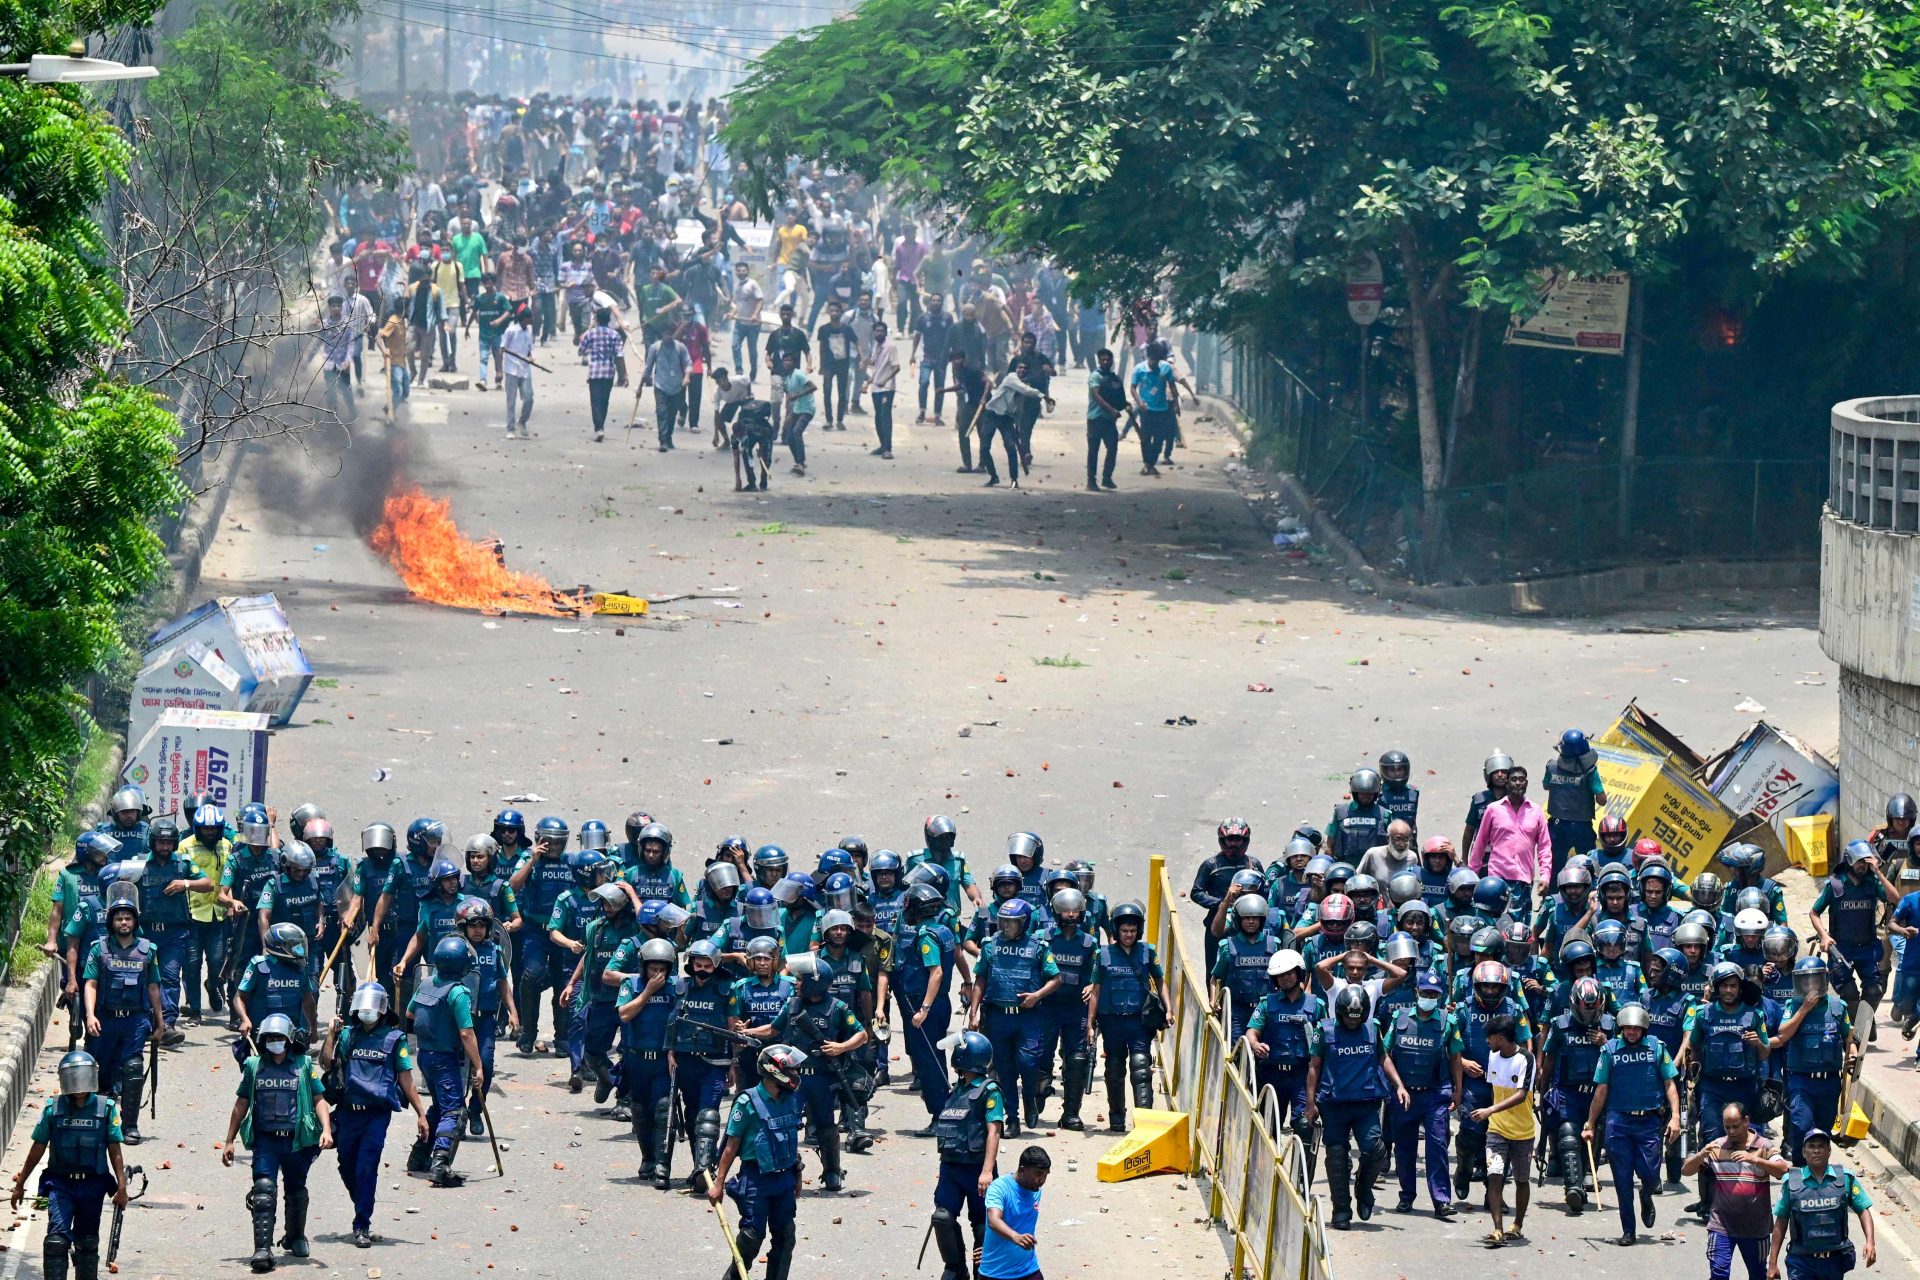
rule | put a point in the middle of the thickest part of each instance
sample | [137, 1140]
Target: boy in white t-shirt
[1511, 1128]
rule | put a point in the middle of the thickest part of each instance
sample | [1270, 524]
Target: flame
[418, 537]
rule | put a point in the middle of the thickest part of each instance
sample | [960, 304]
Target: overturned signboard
[1658, 799]
[187, 751]
[1773, 775]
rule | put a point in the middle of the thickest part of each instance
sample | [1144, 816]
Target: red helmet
[1647, 848]
[1235, 829]
[1336, 908]
[1491, 973]
[1587, 994]
[1613, 832]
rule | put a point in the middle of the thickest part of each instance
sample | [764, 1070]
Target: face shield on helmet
[794, 889]
[1006, 881]
[1395, 768]
[769, 865]
[424, 837]
[760, 909]
[369, 1003]
[594, 835]
[1069, 906]
[1402, 949]
[317, 836]
[275, 1035]
[1250, 914]
[1810, 977]
[922, 903]
[1403, 888]
[79, 1073]
[1610, 939]
[1706, 891]
[838, 891]
[1365, 892]
[940, 835]
[296, 860]
[1083, 872]
[551, 834]
[377, 840]
[1780, 945]
[723, 880]
[1024, 850]
[1013, 918]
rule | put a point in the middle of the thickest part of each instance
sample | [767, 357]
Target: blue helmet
[551, 829]
[1008, 874]
[509, 827]
[1577, 950]
[1810, 977]
[836, 860]
[1574, 745]
[885, 860]
[424, 835]
[593, 834]
[769, 864]
[1610, 933]
[794, 888]
[99, 842]
[973, 1054]
[761, 911]
[587, 865]
[443, 869]
[1490, 894]
[838, 891]
[452, 958]
[1015, 917]
[1676, 966]
[933, 875]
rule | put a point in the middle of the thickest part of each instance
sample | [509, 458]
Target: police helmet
[287, 941]
[794, 888]
[297, 821]
[594, 834]
[1750, 922]
[1013, 916]
[1083, 872]
[1068, 904]
[884, 862]
[1403, 888]
[1337, 876]
[721, 876]
[1752, 898]
[761, 911]
[1673, 965]
[660, 951]
[1491, 973]
[1127, 913]
[1723, 971]
[1614, 880]
[1460, 878]
[443, 869]
[835, 862]
[1490, 894]
[1518, 933]
[509, 826]
[1394, 766]
[1646, 849]
[482, 844]
[1810, 977]
[475, 911]
[1006, 873]
[1286, 960]
[1632, 1016]
[923, 903]
[1706, 891]
[551, 830]
[209, 823]
[424, 835]
[1401, 947]
[1691, 935]
[1742, 857]
[1360, 884]
[1460, 931]
[1574, 951]
[1416, 909]
[274, 1027]
[1336, 908]
[1026, 844]
[931, 874]
[1610, 933]
[974, 1053]
[376, 837]
[1780, 944]
[163, 831]
[1351, 1004]
[1250, 906]
[1900, 808]
[1574, 746]
[702, 949]
[835, 918]
[1488, 942]
[1318, 865]
[1856, 853]
[122, 895]
[1498, 762]
[770, 857]
[1297, 847]
[1364, 782]
[369, 1003]
[1587, 995]
[452, 958]
[92, 842]
[940, 833]
[838, 891]
[255, 829]
[129, 800]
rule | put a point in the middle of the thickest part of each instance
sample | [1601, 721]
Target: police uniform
[123, 978]
[1853, 914]
[604, 938]
[645, 1081]
[960, 1132]
[922, 962]
[757, 1004]
[573, 912]
[1210, 884]
[701, 1059]
[1814, 1060]
[372, 1062]
[79, 1135]
[1350, 1091]
[487, 981]
[1009, 969]
[370, 880]
[1569, 1099]
[542, 965]
[133, 840]
[1571, 789]
[331, 869]
[1240, 966]
[1422, 1047]
[1123, 979]
[282, 1129]
[851, 983]
[1064, 1015]
[274, 984]
[809, 1025]
[959, 876]
[1285, 1024]
[288, 900]
[1819, 1246]
[1651, 928]
[1635, 1076]
[663, 883]
[441, 1009]
[166, 919]
[1402, 803]
[1355, 829]
[1730, 1068]
[767, 1184]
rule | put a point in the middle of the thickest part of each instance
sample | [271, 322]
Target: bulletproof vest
[372, 1062]
[1667, 1014]
[846, 969]
[371, 880]
[1752, 963]
[133, 841]
[1535, 967]
[651, 884]
[410, 882]
[433, 1021]
[761, 1002]
[1433, 888]
[91, 893]
[1852, 909]
[1401, 997]
[1014, 968]
[547, 879]
[1556, 922]
[1473, 1025]
[1477, 809]
[1778, 988]
[1402, 804]
[1820, 1044]
[740, 933]
[1569, 794]
[886, 909]
[1902, 861]
[1246, 975]
[1653, 930]
[491, 890]
[1356, 830]
[330, 871]
[1695, 982]
[157, 907]
[281, 987]
[123, 980]
[487, 976]
[711, 916]
[811, 1023]
[1575, 1055]
[701, 1005]
[1725, 1056]
[603, 939]
[1073, 956]
[647, 1031]
[1351, 1062]
[1633, 1078]
[575, 911]
[911, 976]
[296, 902]
[1124, 980]
[276, 1096]
[1419, 1049]
[1622, 978]
[1817, 1212]
[439, 917]
[1284, 1024]
[960, 1130]
[78, 1143]
[775, 1147]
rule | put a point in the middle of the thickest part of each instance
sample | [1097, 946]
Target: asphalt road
[890, 641]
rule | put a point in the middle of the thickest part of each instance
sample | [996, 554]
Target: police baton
[120, 1212]
[741, 1269]
[153, 1077]
[492, 1137]
[1593, 1161]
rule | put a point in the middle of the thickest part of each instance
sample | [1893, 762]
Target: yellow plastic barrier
[614, 604]
[1160, 1142]
[1808, 842]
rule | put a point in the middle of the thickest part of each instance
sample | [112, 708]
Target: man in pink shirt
[1512, 843]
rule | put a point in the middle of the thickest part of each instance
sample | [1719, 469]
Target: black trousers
[599, 392]
[1101, 433]
[829, 380]
[999, 424]
[883, 419]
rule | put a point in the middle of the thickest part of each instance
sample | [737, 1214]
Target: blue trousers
[1569, 837]
[73, 1205]
[1018, 1040]
[577, 1033]
[643, 1084]
[1359, 1120]
[767, 1200]
[1289, 1081]
[1811, 1104]
[1802, 1267]
[446, 1076]
[819, 1099]
[1122, 1034]
[959, 1185]
[1633, 1151]
[1714, 1097]
[1427, 1116]
[486, 1031]
[121, 1040]
[1720, 1251]
[535, 983]
[1063, 1033]
[701, 1084]
[929, 1064]
[359, 1138]
[602, 1025]
[171, 941]
[276, 1157]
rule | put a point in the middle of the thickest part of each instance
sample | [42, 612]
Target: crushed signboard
[1659, 800]
[188, 750]
[1773, 775]
[252, 636]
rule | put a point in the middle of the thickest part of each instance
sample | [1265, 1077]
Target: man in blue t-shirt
[1013, 1215]
[1152, 390]
[1906, 978]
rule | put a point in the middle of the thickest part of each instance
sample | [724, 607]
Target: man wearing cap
[1812, 1213]
[1421, 1043]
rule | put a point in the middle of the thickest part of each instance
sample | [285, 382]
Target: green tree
[86, 461]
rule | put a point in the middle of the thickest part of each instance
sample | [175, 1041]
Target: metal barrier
[1257, 1177]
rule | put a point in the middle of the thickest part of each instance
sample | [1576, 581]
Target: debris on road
[1260, 686]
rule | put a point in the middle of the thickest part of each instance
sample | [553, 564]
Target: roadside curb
[1892, 1127]
[1567, 595]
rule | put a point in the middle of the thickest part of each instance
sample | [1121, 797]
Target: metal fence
[1256, 1176]
[1550, 520]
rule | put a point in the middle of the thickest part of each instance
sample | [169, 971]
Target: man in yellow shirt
[447, 277]
[1511, 1128]
[207, 943]
[787, 236]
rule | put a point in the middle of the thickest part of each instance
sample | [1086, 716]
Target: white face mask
[368, 1017]
[274, 1046]
[1427, 1004]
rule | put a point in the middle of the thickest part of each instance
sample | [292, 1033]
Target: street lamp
[74, 68]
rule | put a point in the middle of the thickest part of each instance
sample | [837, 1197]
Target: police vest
[123, 980]
[710, 915]
[1725, 1055]
[439, 917]
[740, 933]
[158, 907]
[1433, 888]
[762, 1001]
[1351, 1062]
[276, 1096]
[78, 1144]
[1817, 1211]
[1633, 1076]
[1667, 1017]
[1419, 1049]
[960, 1130]
[1752, 963]
[1402, 804]
[1696, 983]
[276, 986]
[1474, 1018]
[912, 975]
[296, 902]
[1652, 930]
[775, 1147]
[1013, 969]
[488, 976]
[330, 871]
[1246, 975]
[646, 1033]
[845, 971]
[1073, 956]
[371, 881]
[574, 911]
[651, 884]
[1569, 793]
[491, 890]
[886, 910]
[373, 1067]
[1622, 978]
[1124, 980]
[1283, 1027]
[1356, 830]
[1852, 909]
[603, 939]
[701, 1005]
[1575, 1055]
[811, 1023]
[433, 1021]
[1820, 1044]
[133, 840]
[1033, 892]
[547, 879]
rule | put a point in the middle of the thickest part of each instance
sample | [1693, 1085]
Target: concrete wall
[1879, 748]
[1870, 600]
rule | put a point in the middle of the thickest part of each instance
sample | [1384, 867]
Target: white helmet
[1750, 921]
[1286, 961]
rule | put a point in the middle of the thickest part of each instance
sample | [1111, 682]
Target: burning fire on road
[438, 563]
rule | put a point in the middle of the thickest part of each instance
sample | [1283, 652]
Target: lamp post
[73, 67]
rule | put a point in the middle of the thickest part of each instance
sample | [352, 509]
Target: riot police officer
[1748, 863]
[339, 912]
[652, 873]
[1811, 1214]
[923, 966]
[539, 881]
[166, 916]
[1215, 874]
[74, 921]
[442, 1016]
[1027, 852]
[281, 981]
[850, 980]
[968, 1129]
[593, 986]
[703, 999]
[126, 821]
[1568, 1057]
[1853, 899]
[122, 976]
[1084, 875]
[1125, 972]
[281, 1113]
[756, 1001]
[1064, 1012]
[1635, 1076]
[1280, 1033]
[1574, 795]
[1421, 1043]
[646, 1006]
[1400, 800]
[486, 879]
[1239, 975]
[718, 903]
[385, 943]
[1615, 971]
[888, 893]
[1360, 822]
[1727, 1041]
[1818, 1037]
[1346, 1084]
[821, 1027]
[576, 909]
[493, 1007]
[1015, 975]
[80, 1128]
[1493, 772]
[941, 836]
[1655, 919]
[376, 1080]
[293, 897]
[438, 915]
[763, 1135]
